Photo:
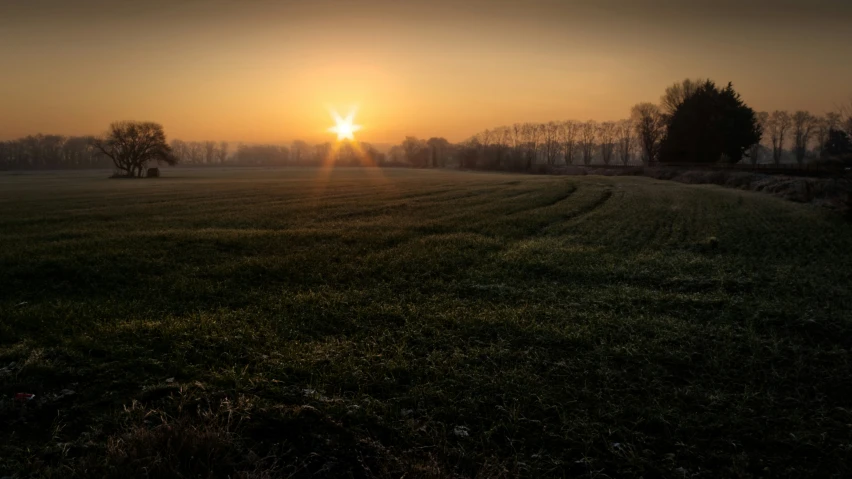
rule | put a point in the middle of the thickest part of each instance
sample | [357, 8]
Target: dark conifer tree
[710, 125]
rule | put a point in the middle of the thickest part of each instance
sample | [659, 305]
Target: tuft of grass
[389, 323]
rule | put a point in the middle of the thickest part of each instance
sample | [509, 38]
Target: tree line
[301, 153]
[53, 152]
[50, 152]
[695, 121]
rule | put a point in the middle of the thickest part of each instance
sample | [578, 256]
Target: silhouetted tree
[844, 117]
[222, 152]
[551, 143]
[568, 134]
[678, 93]
[777, 127]
[438, 149]
[416, 151]
[624, 137]
[709, 125]
[650, 126]
[210, 152]
[482, 142]
[179, 149]
[517, 142]
[131, 145]
[269, 155]
[300, 152]
[838, 147]
[606, 137]
[195, 150]
[588, 131]
[504, 142]
[469, 153]
[824, 125]
[803, 129]
[531, 134]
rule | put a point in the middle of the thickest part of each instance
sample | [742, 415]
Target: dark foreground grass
[366, 323]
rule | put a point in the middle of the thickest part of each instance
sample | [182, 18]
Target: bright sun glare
[344, 127]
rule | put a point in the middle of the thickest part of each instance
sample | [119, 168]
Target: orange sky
[267, 71]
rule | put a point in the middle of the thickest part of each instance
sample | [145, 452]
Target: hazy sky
[266, 71]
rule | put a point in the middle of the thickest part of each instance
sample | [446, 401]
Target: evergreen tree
[838, 146]
[710, 125]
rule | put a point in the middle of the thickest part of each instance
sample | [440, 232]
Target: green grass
[365, 323]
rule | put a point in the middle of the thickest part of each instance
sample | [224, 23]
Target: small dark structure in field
[153, 173]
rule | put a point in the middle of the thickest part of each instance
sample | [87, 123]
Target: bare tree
[530, 137]
[485, 138]
[624, 135]
[833, 119]
[195, 151]
[777, 126]
[588, 131]
[516, 135]
[504, 142]
[131, 145]
[76, 152]
[209, 152]
[180, 149]
[803, 129]
[823, 127]
[438, 148]
[606, 137]
[568, 133]
[845, 120]
[416, 151]
[677, 93]
[552, 143]
[300, 152]
[481, 143]
[222, 152]
[649, 125]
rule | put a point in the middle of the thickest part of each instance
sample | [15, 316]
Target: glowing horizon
[261, 72]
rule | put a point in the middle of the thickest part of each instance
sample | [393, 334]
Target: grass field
[361, 323]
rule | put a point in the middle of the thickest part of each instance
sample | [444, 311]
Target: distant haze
[266, 71]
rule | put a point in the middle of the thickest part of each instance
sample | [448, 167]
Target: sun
[344, 127]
